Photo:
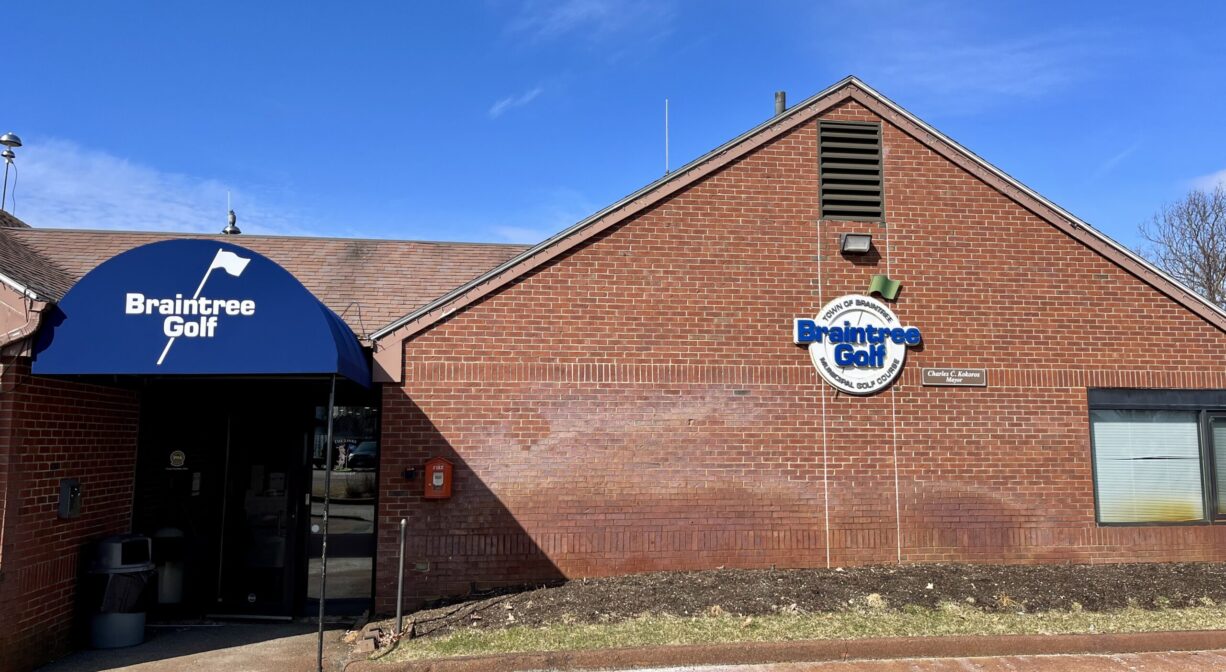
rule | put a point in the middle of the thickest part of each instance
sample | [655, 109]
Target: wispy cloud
[1110, 164]
[552, 212]
[1026, 67]
[595, 21]
[65, 185]
[1211, 181]
[512, 102]
[951, 56]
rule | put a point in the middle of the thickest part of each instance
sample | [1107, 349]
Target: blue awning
[195, 307]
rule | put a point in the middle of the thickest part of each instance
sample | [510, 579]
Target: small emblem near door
[178, 458]
[251, 598]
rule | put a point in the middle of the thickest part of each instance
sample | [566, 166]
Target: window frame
[1207, 404]
[1210, 467]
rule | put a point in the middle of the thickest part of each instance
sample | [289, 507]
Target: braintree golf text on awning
[195, 307]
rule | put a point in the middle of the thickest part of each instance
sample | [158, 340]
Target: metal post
[323, 552]
[400, 579]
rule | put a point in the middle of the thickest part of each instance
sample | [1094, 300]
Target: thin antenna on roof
[9, 140]
[666, 171]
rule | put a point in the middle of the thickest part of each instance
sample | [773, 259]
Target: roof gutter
[20, 288]
[21, 314]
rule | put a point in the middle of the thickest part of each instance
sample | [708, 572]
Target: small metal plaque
[955, 377]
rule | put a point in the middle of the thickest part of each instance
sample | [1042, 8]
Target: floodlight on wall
[856, 243]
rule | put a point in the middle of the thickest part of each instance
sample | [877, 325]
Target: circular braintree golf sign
[857, 343]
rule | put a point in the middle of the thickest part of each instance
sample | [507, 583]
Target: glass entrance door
[351, 518]
[236, 470]
[260, 516]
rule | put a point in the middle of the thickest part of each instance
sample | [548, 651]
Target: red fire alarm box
[438, 478]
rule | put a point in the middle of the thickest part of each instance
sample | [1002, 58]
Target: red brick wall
[50, 430]
[638, 404]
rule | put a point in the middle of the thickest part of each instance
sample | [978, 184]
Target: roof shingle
[367, 282]
[27, 267]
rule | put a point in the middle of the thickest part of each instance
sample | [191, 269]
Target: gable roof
[366, 282]
[850, 88]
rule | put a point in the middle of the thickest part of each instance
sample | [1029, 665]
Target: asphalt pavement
[224, 647]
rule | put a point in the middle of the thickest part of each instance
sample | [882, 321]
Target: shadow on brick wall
[466, 545]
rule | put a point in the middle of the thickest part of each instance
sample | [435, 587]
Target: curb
[748, 653]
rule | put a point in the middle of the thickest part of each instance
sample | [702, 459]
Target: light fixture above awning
[195, 307]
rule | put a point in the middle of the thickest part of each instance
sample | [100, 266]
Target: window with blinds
[850, 170]
[1147, 466]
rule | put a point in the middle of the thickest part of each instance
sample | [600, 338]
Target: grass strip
[948, 619]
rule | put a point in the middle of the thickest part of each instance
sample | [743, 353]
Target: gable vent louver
[850, 163]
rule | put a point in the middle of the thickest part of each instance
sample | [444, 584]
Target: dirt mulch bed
[999, 588]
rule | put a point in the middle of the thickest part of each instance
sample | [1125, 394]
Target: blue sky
[507, 121]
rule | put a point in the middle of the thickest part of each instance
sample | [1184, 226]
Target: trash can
[168, 558]
[117, 590]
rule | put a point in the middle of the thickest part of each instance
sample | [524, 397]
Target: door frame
[234, 486]
[1212, 490]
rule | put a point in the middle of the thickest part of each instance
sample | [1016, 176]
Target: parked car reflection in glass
[364, 456]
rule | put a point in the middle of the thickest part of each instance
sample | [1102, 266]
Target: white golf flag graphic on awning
[224, 259]
[233, 263]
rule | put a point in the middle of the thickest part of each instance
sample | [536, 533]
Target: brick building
[673, 383]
